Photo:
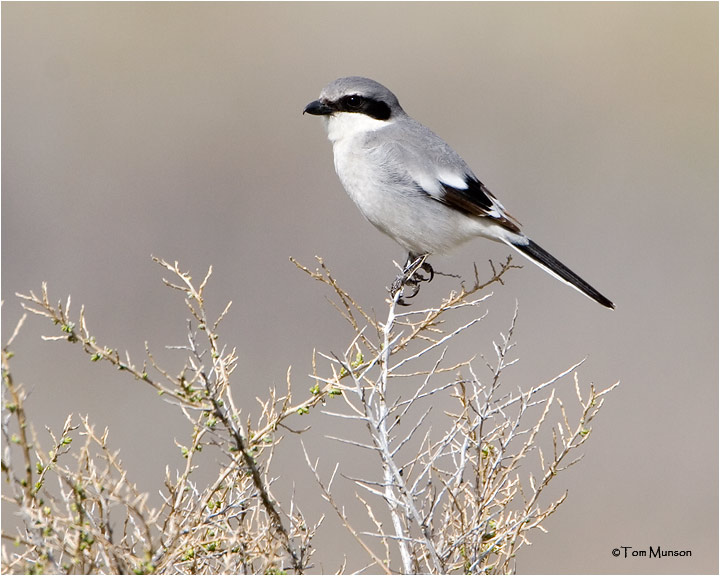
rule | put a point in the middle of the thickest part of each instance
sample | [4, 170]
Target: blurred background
[176, 129]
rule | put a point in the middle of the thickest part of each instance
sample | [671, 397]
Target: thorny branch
[235, 515]
[455, 499]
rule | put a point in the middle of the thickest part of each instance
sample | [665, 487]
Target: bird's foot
[411, 278]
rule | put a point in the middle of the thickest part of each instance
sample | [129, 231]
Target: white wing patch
[433, 183]
[453, 179]
[429, 184]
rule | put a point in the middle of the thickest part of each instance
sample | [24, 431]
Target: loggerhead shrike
[411, 185]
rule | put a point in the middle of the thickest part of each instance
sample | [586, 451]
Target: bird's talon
[429, 269]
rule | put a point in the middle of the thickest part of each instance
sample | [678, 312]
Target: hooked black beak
[317, 108]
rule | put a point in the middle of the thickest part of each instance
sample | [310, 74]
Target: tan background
[176, 130]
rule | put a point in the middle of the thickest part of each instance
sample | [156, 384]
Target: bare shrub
[456, 494]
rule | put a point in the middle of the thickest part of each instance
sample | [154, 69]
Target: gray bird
[411, 185]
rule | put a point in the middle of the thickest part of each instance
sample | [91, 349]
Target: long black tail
[552, 265]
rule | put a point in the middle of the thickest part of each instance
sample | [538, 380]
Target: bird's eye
[353, 102]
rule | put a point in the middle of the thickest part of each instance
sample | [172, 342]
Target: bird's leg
[410, 277]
